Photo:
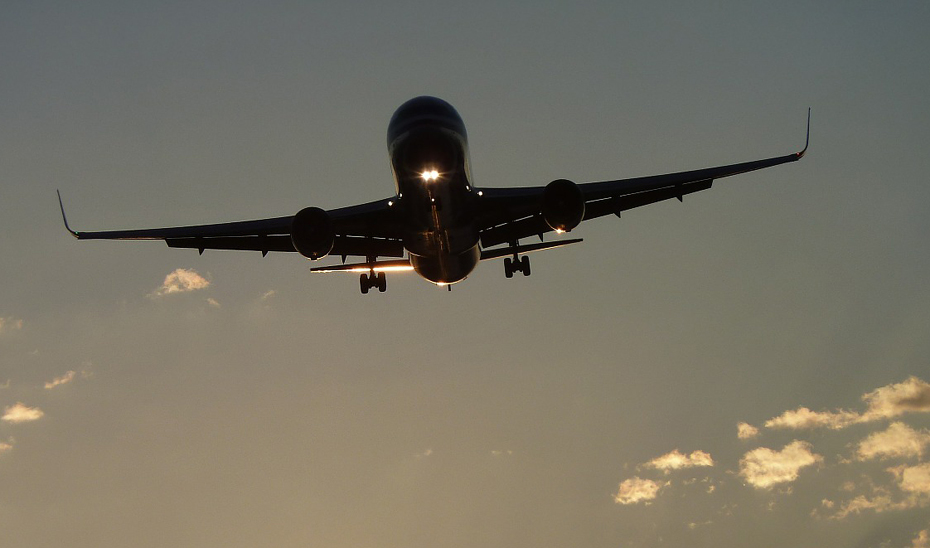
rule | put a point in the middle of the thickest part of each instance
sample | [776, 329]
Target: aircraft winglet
[808, 139]
[63, 217]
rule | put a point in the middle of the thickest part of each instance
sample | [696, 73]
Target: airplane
[438, 223]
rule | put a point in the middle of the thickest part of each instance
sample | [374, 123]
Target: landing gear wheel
[364, 284]
[525, 265]
[382, 282]
[508, 268]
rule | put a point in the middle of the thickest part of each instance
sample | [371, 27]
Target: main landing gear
[369, 281]
[516, 264]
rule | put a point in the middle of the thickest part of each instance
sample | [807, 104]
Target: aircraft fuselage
[428, 147]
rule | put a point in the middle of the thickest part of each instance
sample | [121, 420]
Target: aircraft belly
[446, 268]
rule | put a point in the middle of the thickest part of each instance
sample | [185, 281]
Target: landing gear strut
[516, 264]
[368, 281]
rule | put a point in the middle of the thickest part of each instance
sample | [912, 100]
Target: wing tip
[807, 139]
[64, 218]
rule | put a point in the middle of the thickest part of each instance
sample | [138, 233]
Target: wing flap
[343, 245]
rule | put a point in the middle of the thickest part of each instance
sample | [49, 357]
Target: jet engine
[562, 205]
[312, 233]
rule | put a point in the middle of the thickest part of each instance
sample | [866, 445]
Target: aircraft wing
[509, 214]
[364, 230]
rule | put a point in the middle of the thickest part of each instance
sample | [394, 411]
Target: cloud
[746, 431]
[913, 479]
[922, 540]
[5, 447]
[677, 460]
[913, 482]
[762, 468]
[10, 324]
[912, 395]
[213, 302]
[181, 281]
[21, 413]
[424, 454]
[636, 489]
[803, 417]
[267, 295]
[898, 440]
[58, 381]
[881, 501]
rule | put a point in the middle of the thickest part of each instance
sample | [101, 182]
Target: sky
[748, 367]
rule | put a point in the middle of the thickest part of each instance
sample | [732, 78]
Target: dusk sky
[748, 368]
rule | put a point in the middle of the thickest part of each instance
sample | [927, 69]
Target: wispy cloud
[10, 324]
[5, 447]
[21, 413]
[677, 460]
[887, 402]
[880, 501]
[181, 281]
[803, 418]
[213, 302]
[922, 540]
[424, 454]
[763, 468]
[58, 381]
[746, 431]
[898, 440]
[636, 489]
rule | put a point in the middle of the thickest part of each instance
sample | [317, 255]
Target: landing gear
[368, 281]
[516, 264]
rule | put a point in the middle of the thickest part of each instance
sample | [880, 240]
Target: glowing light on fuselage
[430, 175]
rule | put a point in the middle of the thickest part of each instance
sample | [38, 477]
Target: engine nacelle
[312, 233]
[562, 205]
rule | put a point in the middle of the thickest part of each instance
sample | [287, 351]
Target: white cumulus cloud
[181, 281]
[5, 447]
[21, 413]
[898, 440]
[746, 431]
[912, 395]
[762, 468]
[677, 460]
[636, 489]
[913, 479]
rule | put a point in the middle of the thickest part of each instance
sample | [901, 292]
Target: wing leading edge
[365, 230]
[509, 214]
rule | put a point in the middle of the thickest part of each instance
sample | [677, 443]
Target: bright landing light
[430, 175]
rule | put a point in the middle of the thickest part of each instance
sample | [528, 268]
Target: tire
[526, 265]
[508, 267]
[363, 283]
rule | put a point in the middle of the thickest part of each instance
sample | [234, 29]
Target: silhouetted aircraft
[438, 223]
